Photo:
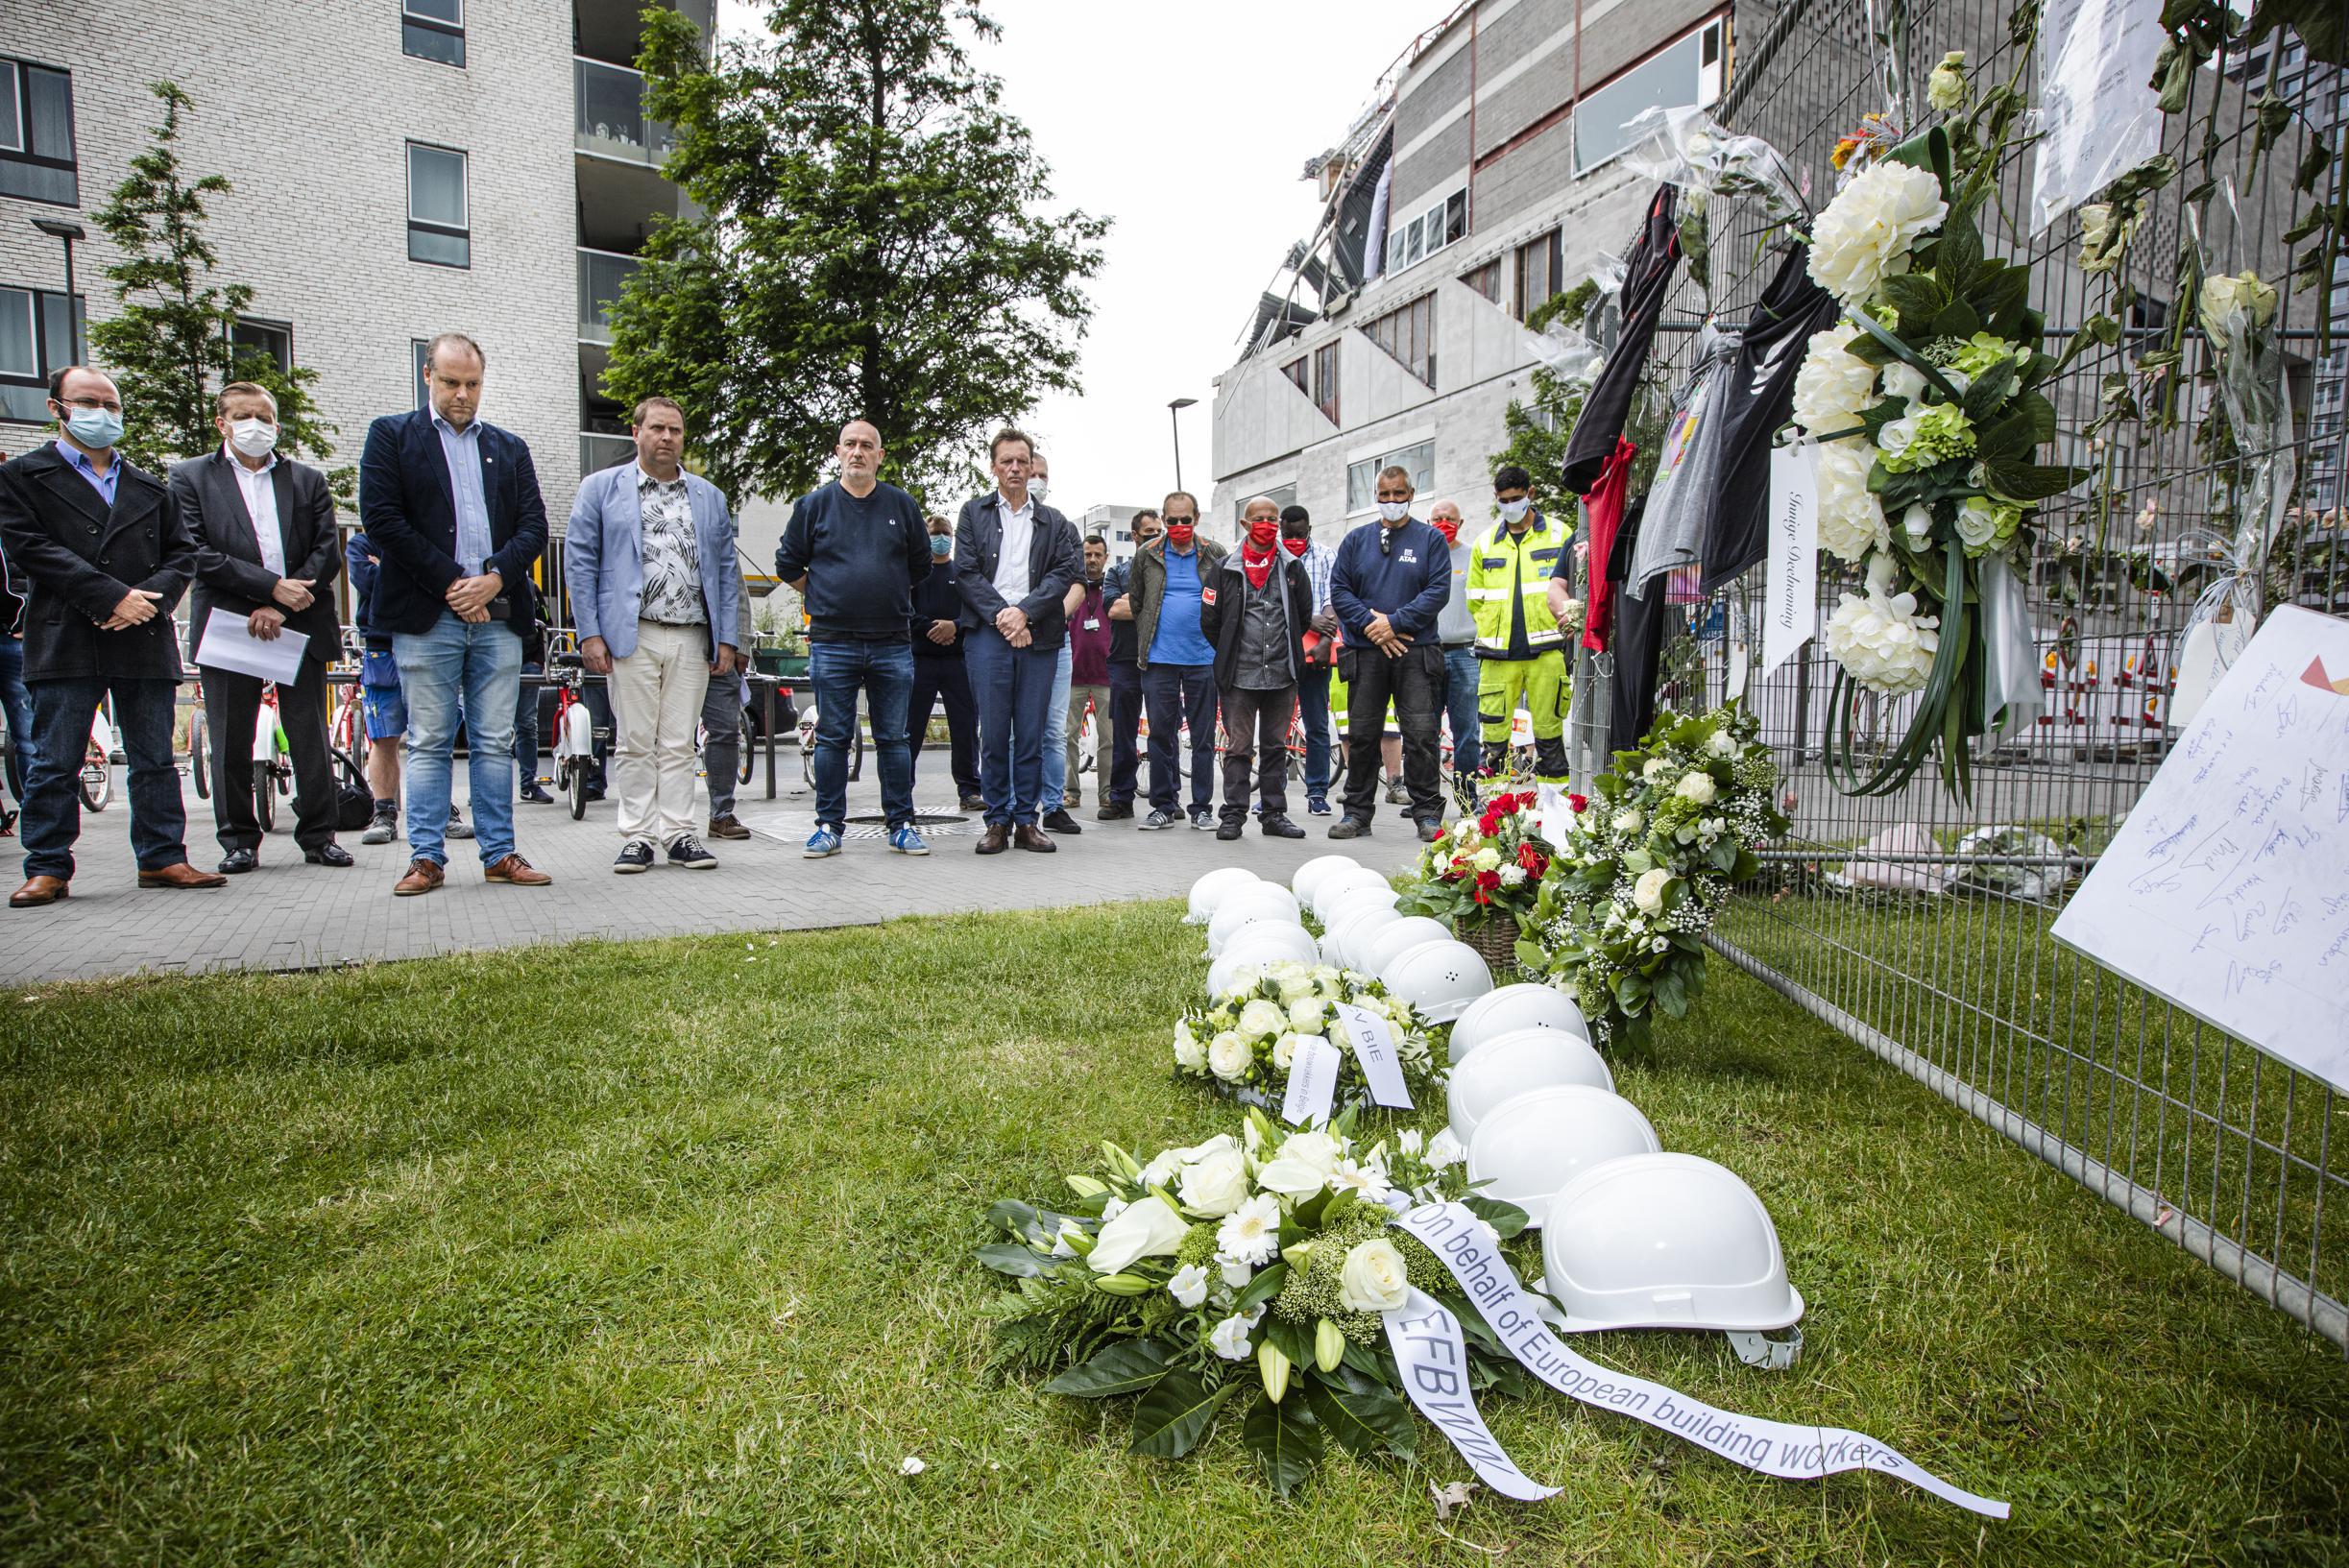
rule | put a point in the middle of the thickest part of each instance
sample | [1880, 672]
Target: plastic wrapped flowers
[1244, 1042]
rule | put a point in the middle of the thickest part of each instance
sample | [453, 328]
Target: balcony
[600, 275]
[608, 117]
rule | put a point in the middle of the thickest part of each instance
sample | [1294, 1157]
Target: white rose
[1916, 522]
[1189, 1054]
[1851, 518]
[1906, 382]
[1832, 386]
[1292, 1178]
[1630, 822]
[1189, 1285]
[1866, 231]
[1978, 521]
[1444, 1151]
[1649, 891]
[1252, 1233]
[1261, 1018]
[1882, 641]
[1698, 788]
[1215, 1185]
[1318, 1149]
[1723, 744]
[1228, 1056]
[1294, 986]
[1374, 1279]
[1946, 88]
[1229, 1340]
[1488, 858]
[1894, 439]
[1305, 1014]
[1656, 769]
[1146, 1229]
[1511, 875]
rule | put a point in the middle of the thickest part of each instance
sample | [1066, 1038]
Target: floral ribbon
[1776, 1448]
[1434, 1358]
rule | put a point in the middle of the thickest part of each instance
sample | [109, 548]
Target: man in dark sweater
[1254, 614]
[854, 551]
[1390, 583]
[938, 675]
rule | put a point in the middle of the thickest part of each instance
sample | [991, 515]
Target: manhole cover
[918, 821]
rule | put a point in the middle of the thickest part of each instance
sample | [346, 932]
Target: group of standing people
[95, 553]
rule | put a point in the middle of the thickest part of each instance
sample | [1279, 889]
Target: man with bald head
[106, 550]
[854, 549]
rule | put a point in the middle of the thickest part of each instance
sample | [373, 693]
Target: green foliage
[868, 247]
[167, 345]
[1539, 428]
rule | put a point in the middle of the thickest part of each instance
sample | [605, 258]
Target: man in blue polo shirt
[1177, 662]
[1390, 584]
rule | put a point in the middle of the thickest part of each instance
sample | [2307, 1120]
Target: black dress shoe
[1060, 822]
[1228, 829]
[328, 854]
[236, 862]
[971, 802]
[1279, 826]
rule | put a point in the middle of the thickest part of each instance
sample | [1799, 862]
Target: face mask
[1448, 527]
[941, 545]
[1263, 533]
[255, 438]
[1395, 511]
[1513, 512]
[1297, 546]
[1178, 535]
[1037, 489]
[96, 428]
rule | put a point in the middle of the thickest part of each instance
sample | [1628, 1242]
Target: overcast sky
[1188, 124]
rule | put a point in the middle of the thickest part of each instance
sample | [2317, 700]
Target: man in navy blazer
[452, 506]
[655, 597]
[1014, 560]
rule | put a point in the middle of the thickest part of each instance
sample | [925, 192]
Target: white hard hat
[1351, 927]
[1258, 902]
[1665, 1240]
[1330, 887]
[1375, 950]
[1212, 889]
[1302, 881]
[1536, 1141]
[1335, 907]
[1259, 946]
[1511, 1008]
[1438, 978]
[1503, 1069]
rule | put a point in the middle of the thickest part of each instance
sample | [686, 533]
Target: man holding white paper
[267, 553]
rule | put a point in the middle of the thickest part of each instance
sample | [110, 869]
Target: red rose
[1487, 879]
[1581, 803]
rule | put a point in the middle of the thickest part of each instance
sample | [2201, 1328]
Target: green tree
[167, 345]
[1540, 427]
[868, 246]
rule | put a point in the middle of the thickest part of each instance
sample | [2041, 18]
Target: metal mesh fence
[1920, 926]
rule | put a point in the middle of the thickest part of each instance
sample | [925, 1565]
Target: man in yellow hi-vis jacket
[1520, 645]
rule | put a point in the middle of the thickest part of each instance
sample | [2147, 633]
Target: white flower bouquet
[1248, 1271]
[1926, 397]
[1244, 1042]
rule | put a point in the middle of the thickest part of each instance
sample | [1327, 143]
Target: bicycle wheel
[97, 782]
[265, 797]
[749, 758]
[575, 786]
[199, 757]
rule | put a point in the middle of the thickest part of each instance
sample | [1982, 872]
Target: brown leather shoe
[516, 872]
[726, 827]
[996, 839]
[37, 891]
[1031, 837]
[182, 875]
[423, 876]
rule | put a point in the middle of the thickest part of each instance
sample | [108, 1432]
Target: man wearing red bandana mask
[1256, 615]
[1320, 654]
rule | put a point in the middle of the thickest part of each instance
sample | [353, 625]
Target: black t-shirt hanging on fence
[1760, 394]
[1638, 639]
[1647, 279]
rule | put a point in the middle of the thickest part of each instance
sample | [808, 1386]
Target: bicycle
[575, 732]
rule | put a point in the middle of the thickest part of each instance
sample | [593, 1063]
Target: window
[418, 348]
[1539, 262]
[1684, 73]
[37, 158]
[1362, 478]
[439, 220]
[433, 30]
[1296, 371]
[274, 340]
[1444, 222]
[1409, 335]
[1283, 496]
[1485, 280]
[1325, 380]
[39, 330]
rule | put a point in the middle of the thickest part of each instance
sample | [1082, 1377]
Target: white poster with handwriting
[2227, 890]
[2098, 113]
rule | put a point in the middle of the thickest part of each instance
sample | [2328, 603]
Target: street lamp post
[66, 231]
[1175, 418]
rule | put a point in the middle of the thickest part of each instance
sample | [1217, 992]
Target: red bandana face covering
[1256, 556]
[1262, 534]
[1448, 527]
[1297, 546]
[1178, 535]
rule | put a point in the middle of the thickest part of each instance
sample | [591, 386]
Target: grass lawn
[660, 1253]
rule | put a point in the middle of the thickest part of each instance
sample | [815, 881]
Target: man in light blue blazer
[649, 564]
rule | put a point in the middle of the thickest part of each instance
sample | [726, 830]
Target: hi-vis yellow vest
[1506, 566]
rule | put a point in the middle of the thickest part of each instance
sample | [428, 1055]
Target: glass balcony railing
[608, 115]
[597, 452]
[600, 275]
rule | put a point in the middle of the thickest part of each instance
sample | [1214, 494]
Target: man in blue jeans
[854, 551]
[451, 504]
[1014, 560]
[1177, 662]
[1054, 803]
[1456, 630]
[15, 703]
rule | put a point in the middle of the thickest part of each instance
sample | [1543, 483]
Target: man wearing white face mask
[266, 552]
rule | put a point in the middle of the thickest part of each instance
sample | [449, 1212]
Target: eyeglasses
[106, 404]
